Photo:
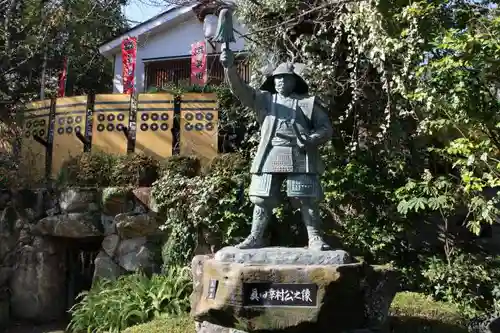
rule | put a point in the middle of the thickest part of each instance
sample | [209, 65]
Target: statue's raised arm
[248, 96]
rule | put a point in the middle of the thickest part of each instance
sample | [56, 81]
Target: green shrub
[470, 282]
[135, 169]
[188, 166]
[102, 170]
[12, 173]
[227, 164]
[8, 171]
[238, 121]
[87, 169]
[133, 299]
[210, 204]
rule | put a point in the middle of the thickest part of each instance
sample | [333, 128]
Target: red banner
[199, 63]
[62, 79]
[129, 54]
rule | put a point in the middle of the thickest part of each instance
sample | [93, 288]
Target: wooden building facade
[177, 71]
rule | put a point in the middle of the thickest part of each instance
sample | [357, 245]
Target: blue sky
[139, 11]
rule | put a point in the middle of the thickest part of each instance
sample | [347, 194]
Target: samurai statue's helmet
[286, 68]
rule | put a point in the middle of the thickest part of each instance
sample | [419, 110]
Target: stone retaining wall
[36, 226]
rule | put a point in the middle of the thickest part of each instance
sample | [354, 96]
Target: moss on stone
[116, 200]
[323, 277]
[109, 193]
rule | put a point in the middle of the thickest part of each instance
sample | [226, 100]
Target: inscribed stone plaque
[280, 294]
[212, 288]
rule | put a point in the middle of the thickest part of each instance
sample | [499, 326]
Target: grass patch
[416, 313]
[410, 313]
[179, 324]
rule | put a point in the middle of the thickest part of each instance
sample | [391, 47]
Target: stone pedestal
[289, 290]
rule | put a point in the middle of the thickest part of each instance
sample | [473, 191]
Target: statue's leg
[305, 192]
[310, 215]
[260, 221]
[264, 194]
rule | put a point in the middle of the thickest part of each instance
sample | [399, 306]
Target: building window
[178, 71]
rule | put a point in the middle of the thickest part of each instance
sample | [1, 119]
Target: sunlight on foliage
[112, 306]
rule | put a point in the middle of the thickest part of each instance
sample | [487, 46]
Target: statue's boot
[316, 243]
[310, 216]
[260, 221]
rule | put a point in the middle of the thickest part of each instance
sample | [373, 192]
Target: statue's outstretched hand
[226, 57]
[303, 140]
[303, 143]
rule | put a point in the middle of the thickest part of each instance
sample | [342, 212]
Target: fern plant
[112, 306]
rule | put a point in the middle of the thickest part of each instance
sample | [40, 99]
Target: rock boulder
[70, 225]
[31, 202]
[106, 268]
[130, 225]
[143, 197]
[10, 223]
[289, 290]
[75, 200]
[110, 244]
[117, 200]
[134, 255]
[38, 284]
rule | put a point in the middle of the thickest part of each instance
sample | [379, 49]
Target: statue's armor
[284, 159]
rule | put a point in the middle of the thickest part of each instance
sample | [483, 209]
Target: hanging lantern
[209, 26]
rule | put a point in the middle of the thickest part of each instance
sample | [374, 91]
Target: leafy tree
[456, 100]
[412, 92]
[37, 35]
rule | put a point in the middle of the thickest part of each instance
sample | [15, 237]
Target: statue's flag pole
[225, 33]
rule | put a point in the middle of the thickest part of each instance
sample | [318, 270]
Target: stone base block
[235, 296]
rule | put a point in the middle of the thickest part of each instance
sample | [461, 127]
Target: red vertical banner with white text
[62, 79]
[199, 63]
[129, 54]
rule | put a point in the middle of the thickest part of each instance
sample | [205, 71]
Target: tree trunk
[42, 79]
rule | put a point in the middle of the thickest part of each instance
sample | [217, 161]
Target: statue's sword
[299, 136]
